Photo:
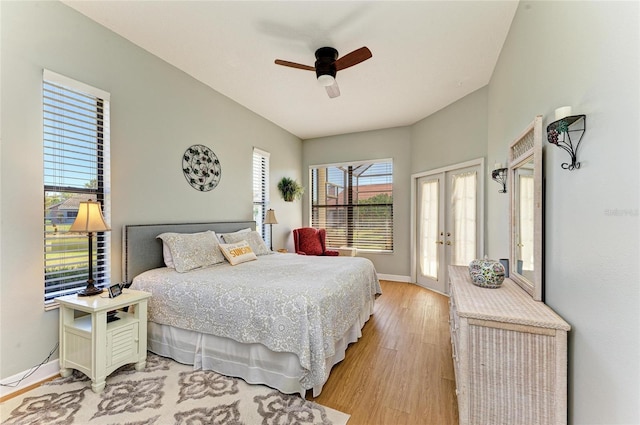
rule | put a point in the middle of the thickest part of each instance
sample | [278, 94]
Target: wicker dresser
[510, 355]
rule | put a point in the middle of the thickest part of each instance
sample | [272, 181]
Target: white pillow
[192, 250]
[253, 238]
[166, 254]
[237, 253]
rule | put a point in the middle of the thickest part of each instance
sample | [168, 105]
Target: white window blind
[261, 191]
[76, 168]
[354, 203]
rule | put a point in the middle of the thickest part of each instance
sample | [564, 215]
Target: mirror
[525, 187]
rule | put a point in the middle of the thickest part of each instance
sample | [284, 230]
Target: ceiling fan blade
[295, 65]
[353, 58]
[333, 90]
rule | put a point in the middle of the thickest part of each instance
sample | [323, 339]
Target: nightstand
[96, 348]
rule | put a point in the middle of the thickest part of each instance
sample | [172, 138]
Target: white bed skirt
[254, 363]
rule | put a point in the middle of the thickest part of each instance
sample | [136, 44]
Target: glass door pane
[463, 234]
[429, 216]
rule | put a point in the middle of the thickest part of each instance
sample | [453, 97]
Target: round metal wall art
[201, 168]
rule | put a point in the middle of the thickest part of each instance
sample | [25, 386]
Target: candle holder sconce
[500, 175]
[559, 133]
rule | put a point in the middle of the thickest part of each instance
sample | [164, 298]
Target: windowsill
[375, 251]
[51, 306]
[346, 252]
[360, 250]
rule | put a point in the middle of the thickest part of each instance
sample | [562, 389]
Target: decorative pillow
[253, 238]
[221, 236]
[237, 253]
[193, 250]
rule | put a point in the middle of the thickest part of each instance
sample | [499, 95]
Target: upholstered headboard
[141, 251]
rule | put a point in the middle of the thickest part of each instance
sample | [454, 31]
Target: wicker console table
[510, 355]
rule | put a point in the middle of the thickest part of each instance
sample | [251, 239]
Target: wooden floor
[400, 371]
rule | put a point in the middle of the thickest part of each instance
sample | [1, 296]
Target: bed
[283, 320]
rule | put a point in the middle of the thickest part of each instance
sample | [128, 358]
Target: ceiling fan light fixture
[327, 64]
[326, 80]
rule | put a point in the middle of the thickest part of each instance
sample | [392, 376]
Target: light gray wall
[455, 134]
[452, 135]
[157, 112]
[390, 143]
[583, 54]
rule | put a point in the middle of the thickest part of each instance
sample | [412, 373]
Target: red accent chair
[310, 241]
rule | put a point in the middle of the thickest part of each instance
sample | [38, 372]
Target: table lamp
[270, 219]
[89, 220]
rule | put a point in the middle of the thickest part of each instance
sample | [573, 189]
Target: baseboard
[394, 277]
[43, 373]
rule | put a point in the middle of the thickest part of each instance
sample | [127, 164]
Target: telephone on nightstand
[115, 290]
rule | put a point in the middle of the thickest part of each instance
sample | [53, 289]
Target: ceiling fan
[328, 64]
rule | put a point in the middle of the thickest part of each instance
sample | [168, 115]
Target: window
[76, 168]
[261, 191]
[354, 203]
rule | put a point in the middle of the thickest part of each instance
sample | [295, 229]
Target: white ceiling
[426, 54]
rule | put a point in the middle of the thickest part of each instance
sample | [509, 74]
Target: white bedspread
[287, 302]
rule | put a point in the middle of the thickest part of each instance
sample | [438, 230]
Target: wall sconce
[499, 174]
[559, 134]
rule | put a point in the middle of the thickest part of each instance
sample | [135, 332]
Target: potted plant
[290, 189]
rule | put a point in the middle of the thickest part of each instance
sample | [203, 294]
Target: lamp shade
[270, 217]
[326, 80]
[89, 218]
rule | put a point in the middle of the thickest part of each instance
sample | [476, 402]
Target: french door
[448, 224]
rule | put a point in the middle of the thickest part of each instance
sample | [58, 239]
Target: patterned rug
[166, 392]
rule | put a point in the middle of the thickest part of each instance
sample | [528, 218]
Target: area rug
[166, 392]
